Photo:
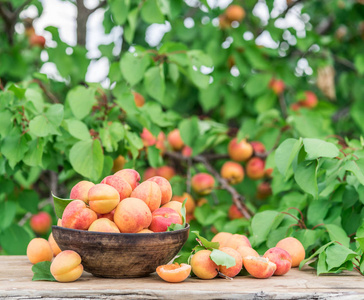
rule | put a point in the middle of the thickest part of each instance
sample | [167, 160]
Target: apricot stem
[225, 276]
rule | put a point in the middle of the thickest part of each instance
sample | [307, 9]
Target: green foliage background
[210, 82]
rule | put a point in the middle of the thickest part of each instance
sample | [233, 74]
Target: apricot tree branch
[237, 198]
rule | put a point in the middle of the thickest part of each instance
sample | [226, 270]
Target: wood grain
[16, 275]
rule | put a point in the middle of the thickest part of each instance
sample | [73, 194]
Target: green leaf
[135, 143]
[28, 200]
[5, 122]
[34, 155]
[359, 63]
[353, 166]
[87, 158]
[182, 258]
[337, 255]
[119, 10]
[111, 135]
[338, 234]
[360, 236]
[154, 157]
[154, 82]
[306, 177]
[262, 224]
[39, 126]
[257, 85]
[316, 148]
[222, 259]
[7, 213]
[189, 130]
[78, 129]
[206, 243]
[42, 271]
[14, 147]
[133, 67]
[81, 100]
[59, 205]
[151, 12]
[130, 27]
[320, 250]
[14, 240]
[285, 154]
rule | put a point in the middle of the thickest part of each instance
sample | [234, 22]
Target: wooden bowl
[118, 255]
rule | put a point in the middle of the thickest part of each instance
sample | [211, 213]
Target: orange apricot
[174, 272]
[39, 250]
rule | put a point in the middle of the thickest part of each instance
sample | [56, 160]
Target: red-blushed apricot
[277, 86]
[259, 267]
[175, 140]
[264, 190]
[145, 231]
[281, 258]
[132, 215]
[175, 205]
[235, 13]
[148, 138]
[109, 215]
[103, 198]
[163, 217]
[234, 270]
[118, 163]
[241, 151]
[174, 272]
[258, 147]
[238, 240]
[203, 266]
[119, 184]
[54, 246]
[255, 168]
[295, 106]
[77, 216]
[138, 99]
[232, 171]
[310, 101]
[234, 213]
[222, 238]
[41, 222]
[166, 172]
[245, 251]
[39, 250]
[165, 187]
[149, 173]
[186, 151]
[80, 191]
[190, 203]
[160, 144]
[104, 225]
[202, 183]
[294, 248]
[150, 193]
[131, 176]
[67, 267]
[37, 40]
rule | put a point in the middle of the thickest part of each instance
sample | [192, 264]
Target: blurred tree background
[265, 71]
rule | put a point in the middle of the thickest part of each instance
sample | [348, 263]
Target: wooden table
[16, 283]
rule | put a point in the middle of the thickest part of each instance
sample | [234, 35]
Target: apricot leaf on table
[42, 271]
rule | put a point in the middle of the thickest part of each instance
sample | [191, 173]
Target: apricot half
[174, 272]
[259, 267]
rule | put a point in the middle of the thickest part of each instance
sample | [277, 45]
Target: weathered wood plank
[16, 274]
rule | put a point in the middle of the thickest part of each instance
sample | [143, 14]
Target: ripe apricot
[255, 168]
[245, 251]
[222, 238]
[277, 85]
[138, 99]
[130, 176]
[234, 213]
[234, 270]
[165, 187]
[150, 193]
[77, 216]
[54, 246]
[203, 266]
[259, 267]
[166, 172]
[174, 272]
[264, 190]
[103, 198]
[240, 151]
[145, 231]
[294, 248]
[118, 164]
[235, 13]
[132, 215]
[310, 101]
[233, 172]
[119, 184]
[163, 217]
[190, 203]
[104, 225]
[258, 147]
[148, 138]
[175, 140]
[186, 151]
[39, 250]
[41, 222]
[281, 258]
[66, 267]
[80, 190]
[175, 205]
[149, 173]
[202, 183]
[238, 240]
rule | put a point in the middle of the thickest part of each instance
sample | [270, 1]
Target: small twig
[46, 92]
[283, 105]
[101, 4]
[224, 276]
[188, 181]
